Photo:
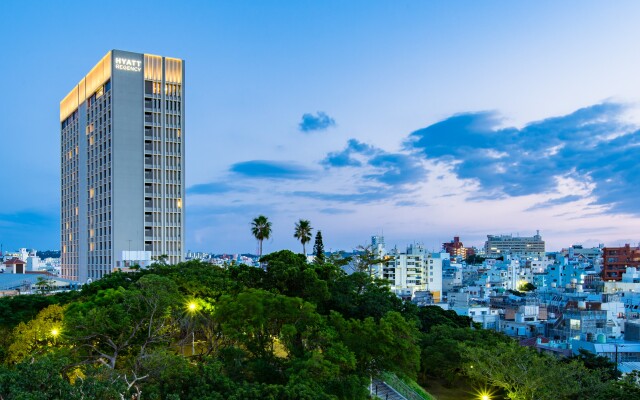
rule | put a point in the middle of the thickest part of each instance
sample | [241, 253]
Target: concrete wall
[127, 168]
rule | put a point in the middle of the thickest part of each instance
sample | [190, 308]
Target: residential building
[456, 248]
[617, 351]
[617, 259]
[122, 152]
[593, 254]
[15, 266]
[415, 270]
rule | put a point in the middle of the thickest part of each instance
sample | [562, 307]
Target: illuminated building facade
[520, 246]
[455, 248]
[122, 164]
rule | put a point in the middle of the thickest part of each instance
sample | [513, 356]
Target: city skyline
[422, 121]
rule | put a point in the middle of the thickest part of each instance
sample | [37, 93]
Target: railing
[396, 384]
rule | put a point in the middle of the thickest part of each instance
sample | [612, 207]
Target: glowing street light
[484, 396]
[55, 332]
[192, 307]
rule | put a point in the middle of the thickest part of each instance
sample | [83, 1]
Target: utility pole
[616, 367]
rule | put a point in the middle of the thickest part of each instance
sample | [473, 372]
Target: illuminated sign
[127, 64]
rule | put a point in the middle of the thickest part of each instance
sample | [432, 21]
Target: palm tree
[303, 233]
[261, 229]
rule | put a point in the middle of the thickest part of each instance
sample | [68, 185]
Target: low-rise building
[15, 266]
[616, 260]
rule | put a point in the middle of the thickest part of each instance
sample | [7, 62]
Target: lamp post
[192, 307]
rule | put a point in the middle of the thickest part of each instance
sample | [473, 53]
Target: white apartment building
[415, 270]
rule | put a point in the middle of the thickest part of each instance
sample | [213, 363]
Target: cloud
[270, 170]
[347, 157]
[593, 144]
[406, 203]
[214, 188]
[361, 197]
[319, 122]
[393, 169]
[336, 211]
[555, 202]
[396, 169]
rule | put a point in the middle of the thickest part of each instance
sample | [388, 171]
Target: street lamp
[483, 394]
[192, 307]
[55, 333]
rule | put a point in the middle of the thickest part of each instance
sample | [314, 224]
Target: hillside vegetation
[294, 330]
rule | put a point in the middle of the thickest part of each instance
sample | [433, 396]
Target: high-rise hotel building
[122, 152]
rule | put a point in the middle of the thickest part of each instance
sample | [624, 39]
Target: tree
[261, 230]
[44, 285]
[36, 336]
[303, 233]
[262, 322]
[318, 249]
[595, 362]
[367, 258]
[391, 343]
[474, 259]
[161, 259]
[123, 324]
[523, 373]
[527, 287]
[431, 316]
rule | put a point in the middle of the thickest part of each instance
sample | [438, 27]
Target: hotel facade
[122, 165]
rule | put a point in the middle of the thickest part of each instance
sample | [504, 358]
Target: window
[574, 324]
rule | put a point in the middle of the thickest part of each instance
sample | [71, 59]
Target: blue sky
[417, 119]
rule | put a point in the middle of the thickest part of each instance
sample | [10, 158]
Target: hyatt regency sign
[127, 64]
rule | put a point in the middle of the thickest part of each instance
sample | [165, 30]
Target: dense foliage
[293, 330]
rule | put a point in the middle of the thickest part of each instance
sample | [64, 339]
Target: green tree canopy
[318, 249]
